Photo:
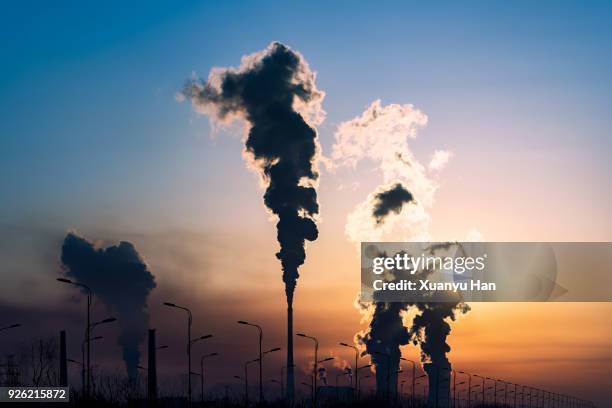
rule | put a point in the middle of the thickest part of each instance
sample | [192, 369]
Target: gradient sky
[93, 139]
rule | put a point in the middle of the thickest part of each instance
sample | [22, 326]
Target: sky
[93, 139]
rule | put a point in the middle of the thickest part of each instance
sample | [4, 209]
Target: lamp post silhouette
[87, 334]
[455, 392]
[84, 368]
[475, 393]
[280, 385]
[309, 387]
[202, 372]
[315, 372]
[321, 362]
[246, 400]
[260, 359]
[505, 390]
[469, 392]
[494, 389]
[12, 326]
[272, 350]
[356, 374]
[246, 379]
[356, 362]
[483, 386]
[189, 342]
[413, 379]
[91, 328]
[359, 384]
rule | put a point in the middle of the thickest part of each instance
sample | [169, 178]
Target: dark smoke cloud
[119, 277]
[390, 200]
[268, 91]
[430, 329]
[386, 334]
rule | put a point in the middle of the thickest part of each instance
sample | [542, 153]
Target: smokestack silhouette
[63, 363]
[383, 340]
[119, 277]
[274, 92]
[382, 134]
[430, 329]
[387, 332]
[152, 368]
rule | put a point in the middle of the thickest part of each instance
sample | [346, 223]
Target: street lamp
[161, 347]
[246, 379]
[84, 368]
[483, 386]
[315, 371]
[413, 379]
[359, 385]
[208, 336]
[356, 374]
[202, 371]
[469, 391]
[260, 359]
[93, 325]
[272, 350]
[189, 322]
[245, 397]
[356, 362]
[12, 326]
[87, 333]
[494, 389]
[74, 361]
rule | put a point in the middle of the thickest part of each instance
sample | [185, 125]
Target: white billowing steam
[381, 134]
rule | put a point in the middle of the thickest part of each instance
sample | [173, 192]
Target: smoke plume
[382, 134]
[430, 329]
[274, 91]
[391, 200]
[118, 276]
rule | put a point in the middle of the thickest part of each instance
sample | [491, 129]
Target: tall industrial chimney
[152, 369]
[439, 385]
[63, 369]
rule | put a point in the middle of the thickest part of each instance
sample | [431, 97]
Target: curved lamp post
[202, 371]
[87, 334]
[315, 370]
[260, 359]
[355, 379]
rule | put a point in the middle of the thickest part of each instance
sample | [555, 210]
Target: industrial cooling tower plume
[274, 92]
[118, 276]
[430, 329]
[387, 332]
[381, 135]
[383, 340]
[397, 210]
